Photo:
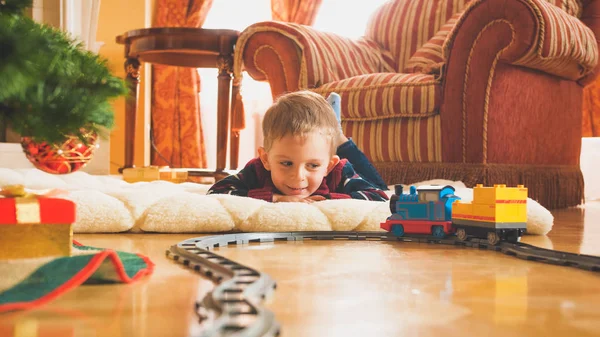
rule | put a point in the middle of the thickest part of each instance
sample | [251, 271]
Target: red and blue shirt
[341, 183]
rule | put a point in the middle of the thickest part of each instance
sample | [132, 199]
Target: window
[257, 95]
[428, 196]
[337, 16]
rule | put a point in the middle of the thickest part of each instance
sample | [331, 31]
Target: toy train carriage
[496, 213]
[425, 210]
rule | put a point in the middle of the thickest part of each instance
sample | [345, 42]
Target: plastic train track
[236, 301]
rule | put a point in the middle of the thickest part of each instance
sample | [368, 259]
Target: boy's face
[298, 164]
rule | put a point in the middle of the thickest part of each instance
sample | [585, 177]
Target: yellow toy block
[498, 212]
[152, 173]
[494, 204]
[511, 212]
[173, 175]
[462, 210]
[499, 194]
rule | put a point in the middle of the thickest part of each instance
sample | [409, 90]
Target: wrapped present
[152, 173]
[34, 224]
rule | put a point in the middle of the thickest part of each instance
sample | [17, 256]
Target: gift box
[35, 225]
[152, 173]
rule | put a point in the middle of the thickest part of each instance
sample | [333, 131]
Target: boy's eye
[286, 163]
[314, 166]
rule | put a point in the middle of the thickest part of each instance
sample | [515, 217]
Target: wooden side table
[183, 47]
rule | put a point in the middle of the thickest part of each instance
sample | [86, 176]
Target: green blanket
[28, 283]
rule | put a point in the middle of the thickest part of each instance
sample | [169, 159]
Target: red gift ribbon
[26, 202]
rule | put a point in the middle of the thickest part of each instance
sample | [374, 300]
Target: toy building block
[173, 175]
[152, 173]
[498, 204]
[139, 174]
[34, 225]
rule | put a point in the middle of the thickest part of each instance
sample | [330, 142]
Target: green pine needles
[50, 87]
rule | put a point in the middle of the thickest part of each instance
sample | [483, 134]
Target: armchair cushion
[429, 57]
[391, 116]
[415, 30]
[571, 7]
[403, 26]
[566, 48]
[386, 95]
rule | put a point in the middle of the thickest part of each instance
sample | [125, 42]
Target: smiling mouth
[299, 189]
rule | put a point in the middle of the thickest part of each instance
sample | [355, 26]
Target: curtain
[591, 109]
[176, 125]
[302, 12]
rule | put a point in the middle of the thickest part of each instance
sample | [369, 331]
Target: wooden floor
[353, 289]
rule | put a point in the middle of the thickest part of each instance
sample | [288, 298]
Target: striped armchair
[483, 91]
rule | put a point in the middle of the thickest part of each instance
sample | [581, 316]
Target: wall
[49, 10]
[117, 17]
[590, 161]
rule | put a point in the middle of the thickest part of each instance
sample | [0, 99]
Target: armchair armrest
[505, 62]
[542, 36]
[292, 56]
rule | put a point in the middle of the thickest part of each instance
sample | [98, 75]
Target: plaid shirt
[341, 183]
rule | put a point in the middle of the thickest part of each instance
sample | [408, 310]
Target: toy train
[497, 213]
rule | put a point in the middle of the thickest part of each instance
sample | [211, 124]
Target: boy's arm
[233, 184]
[247, 183]
[357, 188]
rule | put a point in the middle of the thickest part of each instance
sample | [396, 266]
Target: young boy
[298, 162]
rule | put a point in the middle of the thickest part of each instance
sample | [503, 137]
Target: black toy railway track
[236, 300]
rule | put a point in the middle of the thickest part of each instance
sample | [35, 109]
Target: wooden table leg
[225, 66]
[132, 79]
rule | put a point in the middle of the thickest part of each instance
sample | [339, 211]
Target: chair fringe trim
[553, 186]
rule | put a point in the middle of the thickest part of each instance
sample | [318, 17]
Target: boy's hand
[317, 198]
[293, 198]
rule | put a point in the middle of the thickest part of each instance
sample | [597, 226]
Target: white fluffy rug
[108, 204]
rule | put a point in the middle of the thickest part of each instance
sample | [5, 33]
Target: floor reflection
[422, 288]
[577, 229]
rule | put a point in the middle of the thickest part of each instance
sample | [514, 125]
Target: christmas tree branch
[50, 86]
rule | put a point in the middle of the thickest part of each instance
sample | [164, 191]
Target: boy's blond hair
[297, 114]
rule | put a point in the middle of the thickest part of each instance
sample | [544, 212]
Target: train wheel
[493, 238]
[398, 230]
[461, 234]
[438, 232]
